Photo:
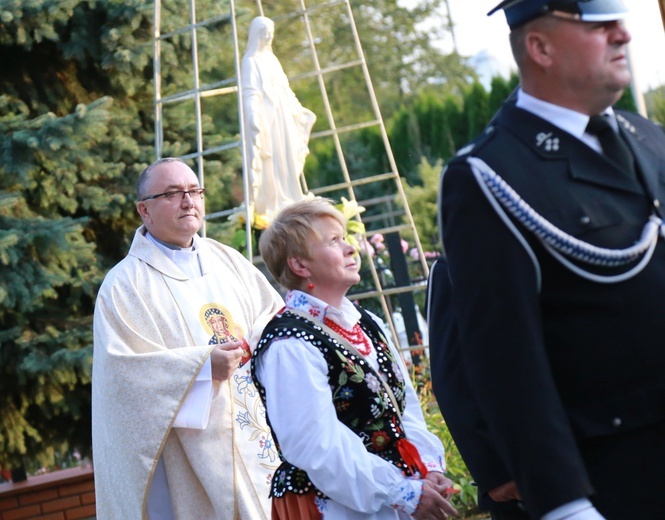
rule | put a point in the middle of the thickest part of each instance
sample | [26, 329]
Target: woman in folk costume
[343, 412]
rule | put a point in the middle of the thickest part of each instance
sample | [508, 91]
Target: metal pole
[157, 50]
[247, 186]
[386, 142]
[197, 99]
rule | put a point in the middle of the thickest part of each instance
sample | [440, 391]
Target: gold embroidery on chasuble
[247, 449]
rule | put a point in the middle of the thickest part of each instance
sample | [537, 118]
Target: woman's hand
[440, 479]
[433, 505]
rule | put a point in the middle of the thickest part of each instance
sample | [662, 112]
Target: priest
[178, 429]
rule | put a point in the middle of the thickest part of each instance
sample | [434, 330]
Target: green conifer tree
[48, 279]
[76, 128]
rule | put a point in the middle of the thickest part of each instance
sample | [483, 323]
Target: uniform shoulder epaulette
[480, 141]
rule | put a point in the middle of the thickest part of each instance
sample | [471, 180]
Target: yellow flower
[261, 221]
[354, 228]
[349, 208]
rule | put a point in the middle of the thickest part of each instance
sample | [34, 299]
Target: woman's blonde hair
[290, 235]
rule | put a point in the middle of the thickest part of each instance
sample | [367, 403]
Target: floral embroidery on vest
[361, 401]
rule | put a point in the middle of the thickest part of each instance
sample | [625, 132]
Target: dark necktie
[614, 147]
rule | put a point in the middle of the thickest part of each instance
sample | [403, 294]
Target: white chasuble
[210, 307]
[154, 329]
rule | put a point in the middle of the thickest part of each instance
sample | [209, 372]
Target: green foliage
[76, 129]
[627, 101]
[476, 109]
[655, 102]
[71, 144]
[428, 133]
[48, 281]
[30, 23]
[401, 60]
[436, 124]
[466, 498]
[429, 128]
[422, 201]
[400, 53]
[500, 89]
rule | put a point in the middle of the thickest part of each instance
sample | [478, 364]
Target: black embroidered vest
[360, 399]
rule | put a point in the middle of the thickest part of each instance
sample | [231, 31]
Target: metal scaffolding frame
[232, 86]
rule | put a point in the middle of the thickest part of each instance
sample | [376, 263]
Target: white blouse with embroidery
[360, 485]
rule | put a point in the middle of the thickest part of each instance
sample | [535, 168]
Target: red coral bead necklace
[355, 336]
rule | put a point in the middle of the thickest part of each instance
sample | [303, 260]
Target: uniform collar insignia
[547, 141]
[627, 125]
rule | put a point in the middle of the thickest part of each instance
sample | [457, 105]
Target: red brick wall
[68, 494]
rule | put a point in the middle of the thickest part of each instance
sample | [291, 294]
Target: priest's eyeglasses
[179, 196]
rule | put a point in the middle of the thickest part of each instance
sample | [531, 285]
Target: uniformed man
[551, 223]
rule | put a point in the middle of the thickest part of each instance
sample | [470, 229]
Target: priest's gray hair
[145, 175]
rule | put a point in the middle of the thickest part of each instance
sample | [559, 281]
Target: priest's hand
[225, 359]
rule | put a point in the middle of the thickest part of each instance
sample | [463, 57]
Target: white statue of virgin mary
[277, 126]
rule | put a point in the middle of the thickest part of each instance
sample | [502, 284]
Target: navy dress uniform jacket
[567, 374]
[458, 402]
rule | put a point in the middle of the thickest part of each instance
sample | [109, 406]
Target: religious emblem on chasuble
[218, 322]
